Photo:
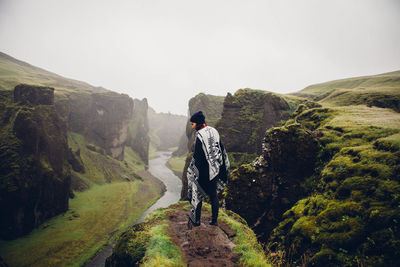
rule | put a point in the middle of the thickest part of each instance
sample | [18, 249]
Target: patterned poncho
[218, 166]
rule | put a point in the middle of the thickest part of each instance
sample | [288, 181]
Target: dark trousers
[211, 191]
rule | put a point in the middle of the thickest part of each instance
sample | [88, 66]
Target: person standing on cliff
[208, 170]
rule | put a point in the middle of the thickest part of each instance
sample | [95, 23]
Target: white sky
[171, 50]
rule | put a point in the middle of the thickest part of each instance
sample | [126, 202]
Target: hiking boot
[215, 223]
[191, 224]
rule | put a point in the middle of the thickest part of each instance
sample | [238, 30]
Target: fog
[169, 51]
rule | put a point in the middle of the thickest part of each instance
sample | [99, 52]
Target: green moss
[325, 257]
[314, 118]
[246, 115]
[211, 106]
[390, 143]
[131, 246]
[161, 251]
[237, 158]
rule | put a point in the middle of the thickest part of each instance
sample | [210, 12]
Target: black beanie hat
[198, 117]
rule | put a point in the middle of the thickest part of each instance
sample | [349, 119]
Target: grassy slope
[100, 168]
[13, 72]
[177, 163]
[381, 90]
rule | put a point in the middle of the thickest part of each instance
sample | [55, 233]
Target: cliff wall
[103, 118]
[35, 174]
[138, 138]
[246, 116]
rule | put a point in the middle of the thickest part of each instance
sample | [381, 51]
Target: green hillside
[381, 90]
[14, 71]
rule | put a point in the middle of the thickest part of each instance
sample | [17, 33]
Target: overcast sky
[170, 50]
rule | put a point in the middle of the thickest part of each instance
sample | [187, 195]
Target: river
[159, 169]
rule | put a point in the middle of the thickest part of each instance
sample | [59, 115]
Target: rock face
[212, 108]
[262, 191]
[27, 95]
[35, 175]
[109, 122]
[246, 116]
[103, 118]
[138, 138]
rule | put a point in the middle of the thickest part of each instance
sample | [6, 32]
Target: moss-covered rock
[131, 247]
[261, 192]
[351, 218]
[35, 174]
[25, 94]
[246, 116]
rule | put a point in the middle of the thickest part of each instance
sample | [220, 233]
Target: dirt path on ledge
[205, 245]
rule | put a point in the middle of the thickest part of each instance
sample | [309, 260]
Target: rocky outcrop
[28, 95]
[103, 118]
[247, 115]
[262, 191]
[138, 138]
[165, 240]
[35, 175]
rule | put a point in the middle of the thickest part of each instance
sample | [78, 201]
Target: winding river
[159, 169]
